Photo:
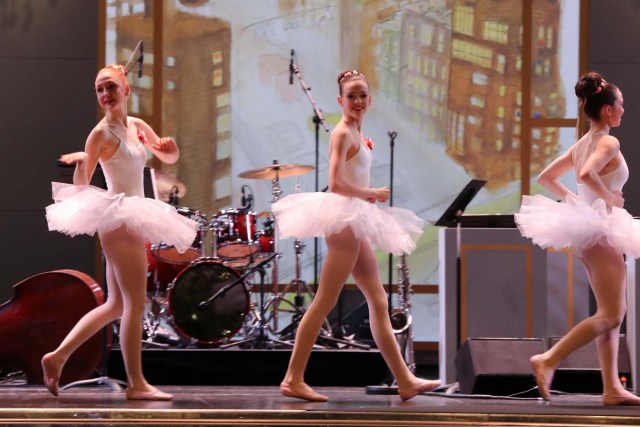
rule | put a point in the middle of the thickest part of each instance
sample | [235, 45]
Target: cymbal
[279, 170]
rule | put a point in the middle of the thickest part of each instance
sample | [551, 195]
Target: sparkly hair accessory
[351, 73]
[118, 68]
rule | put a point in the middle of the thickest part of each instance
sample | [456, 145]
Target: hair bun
[589, 84]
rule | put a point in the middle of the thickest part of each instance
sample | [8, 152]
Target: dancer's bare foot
[149, 393]
[301, 391]
[621, 399]
[51, 369]
[543, 374]
[419, 386]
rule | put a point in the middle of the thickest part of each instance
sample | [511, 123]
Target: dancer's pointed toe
[301, 391]
[50, 373]
[543, 376]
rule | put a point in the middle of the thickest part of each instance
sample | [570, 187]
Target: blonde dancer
[123, 219]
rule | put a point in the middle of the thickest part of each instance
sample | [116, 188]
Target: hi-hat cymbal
[276, 170]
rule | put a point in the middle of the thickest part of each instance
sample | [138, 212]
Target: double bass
[43, 310]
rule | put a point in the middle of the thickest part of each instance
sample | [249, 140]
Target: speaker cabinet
[497, 366]
[580, 371]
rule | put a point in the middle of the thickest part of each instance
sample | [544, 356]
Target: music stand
[452, 217]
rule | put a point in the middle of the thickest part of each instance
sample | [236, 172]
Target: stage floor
[264, 406]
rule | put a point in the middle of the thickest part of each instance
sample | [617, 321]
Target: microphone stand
[390, 388]
[318, 120]
[392, 138]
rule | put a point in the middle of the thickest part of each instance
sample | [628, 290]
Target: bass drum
[213, 321]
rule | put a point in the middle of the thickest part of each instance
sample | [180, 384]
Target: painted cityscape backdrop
[445, 76]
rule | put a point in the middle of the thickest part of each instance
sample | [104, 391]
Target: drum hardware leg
[150, 326]
[262, 339]
[298, 307]
[276, 192]
[302, 287]
[260, 328]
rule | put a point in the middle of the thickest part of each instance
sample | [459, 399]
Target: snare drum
[234, 230]
[207, 302]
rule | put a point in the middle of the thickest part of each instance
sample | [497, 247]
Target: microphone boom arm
[241, 279]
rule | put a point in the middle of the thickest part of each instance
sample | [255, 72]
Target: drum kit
[203, 296]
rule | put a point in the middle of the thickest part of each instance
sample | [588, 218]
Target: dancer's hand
[617, 200]
[77, 158]
[163, 143]
[380, 194]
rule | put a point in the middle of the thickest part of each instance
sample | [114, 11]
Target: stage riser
[337, 367]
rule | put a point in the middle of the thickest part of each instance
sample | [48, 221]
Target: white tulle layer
[304, 215]
[88, 209]
[577, 225]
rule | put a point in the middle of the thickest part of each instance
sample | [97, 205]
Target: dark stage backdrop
[48, 60]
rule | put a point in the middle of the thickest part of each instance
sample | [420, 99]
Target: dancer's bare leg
[608, 345]
[613, 392]
[127, 255]
[88, 326]
[606, 273]
[341, 257]
[368, 280]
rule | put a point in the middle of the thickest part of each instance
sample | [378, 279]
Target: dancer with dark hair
[595, 226]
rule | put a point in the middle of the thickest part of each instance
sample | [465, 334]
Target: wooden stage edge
[264, 406]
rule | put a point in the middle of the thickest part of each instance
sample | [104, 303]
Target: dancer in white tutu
[123, 219]
[351, 223]
[597, 228]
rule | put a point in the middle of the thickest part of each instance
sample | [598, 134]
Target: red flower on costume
[369, 143]
[142, 137]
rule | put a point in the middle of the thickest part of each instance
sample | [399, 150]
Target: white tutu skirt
[577, 225]
[304, 215]
[88, 209]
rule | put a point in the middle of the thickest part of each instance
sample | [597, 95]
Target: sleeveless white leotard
[87, 209]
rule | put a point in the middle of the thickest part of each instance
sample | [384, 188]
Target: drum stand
[298, 308]
[260, 328]
[276, 192]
